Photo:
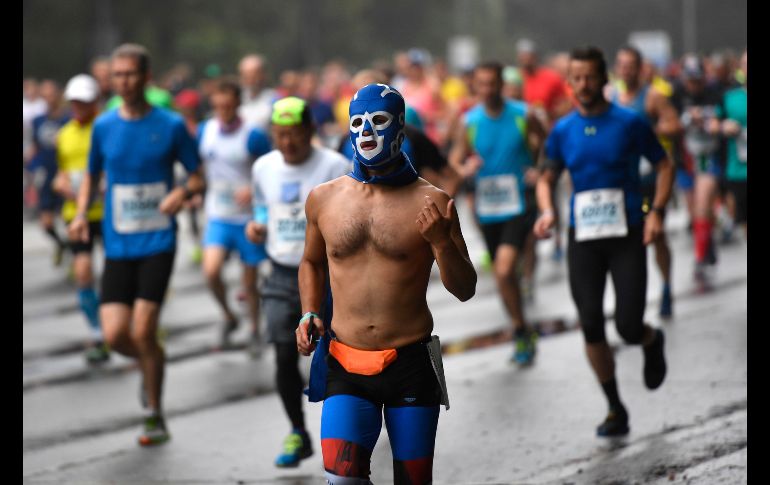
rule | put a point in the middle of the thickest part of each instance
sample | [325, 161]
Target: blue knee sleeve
[89, 304]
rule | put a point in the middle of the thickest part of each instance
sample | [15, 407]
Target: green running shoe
[296, 447]
[196, 255]
[485, 261]
[97, 354]
[155, 432]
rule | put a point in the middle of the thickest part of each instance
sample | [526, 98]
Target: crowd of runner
[611, 138]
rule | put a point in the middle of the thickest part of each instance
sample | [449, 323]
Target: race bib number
[498, 196]
[600, 214]
[742, 143]
[223, 202]
[286, 230]
[135, 208]
[699, 143]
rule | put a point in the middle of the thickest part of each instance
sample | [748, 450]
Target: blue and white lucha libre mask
[378, 110]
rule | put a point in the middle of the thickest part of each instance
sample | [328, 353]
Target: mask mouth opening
[369, 147]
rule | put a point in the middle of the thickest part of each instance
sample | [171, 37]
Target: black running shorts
[125, 280]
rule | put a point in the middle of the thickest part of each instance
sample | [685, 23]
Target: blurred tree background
[61, 37]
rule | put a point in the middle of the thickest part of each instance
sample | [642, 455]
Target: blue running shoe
[615, 424]
[296, 447]
[525, 346]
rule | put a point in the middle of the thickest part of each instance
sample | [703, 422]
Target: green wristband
[308, 315]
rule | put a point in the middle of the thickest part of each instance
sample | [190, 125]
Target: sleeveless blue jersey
[603, 151]
[637, 105]
[502, 145]
[137, 157]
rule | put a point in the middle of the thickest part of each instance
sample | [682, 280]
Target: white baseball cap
[525, 46]
[82, 88]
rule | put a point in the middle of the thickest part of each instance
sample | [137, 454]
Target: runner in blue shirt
[136, 146]
[601, 145]
[497, 132]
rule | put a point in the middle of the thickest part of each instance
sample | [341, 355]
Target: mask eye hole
[380, 119]
[356, 122]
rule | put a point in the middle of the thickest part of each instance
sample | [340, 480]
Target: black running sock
[55, 236]
[610, 389]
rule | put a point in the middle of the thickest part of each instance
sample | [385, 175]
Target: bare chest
[387, 228]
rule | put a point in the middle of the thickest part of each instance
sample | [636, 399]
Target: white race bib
[286, 230]
[498, 196]
[699, 143]
[600, 214]
[742, 143]
[135, 208]
[223, 203]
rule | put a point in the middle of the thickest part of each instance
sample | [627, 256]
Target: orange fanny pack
[364, 362]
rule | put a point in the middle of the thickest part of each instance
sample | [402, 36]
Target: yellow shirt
[666, 89]
[72, 146]
[341, 108]
[662, 86]
[453, 89]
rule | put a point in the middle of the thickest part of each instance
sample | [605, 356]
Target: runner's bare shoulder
[330, 187]
[426, 188]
